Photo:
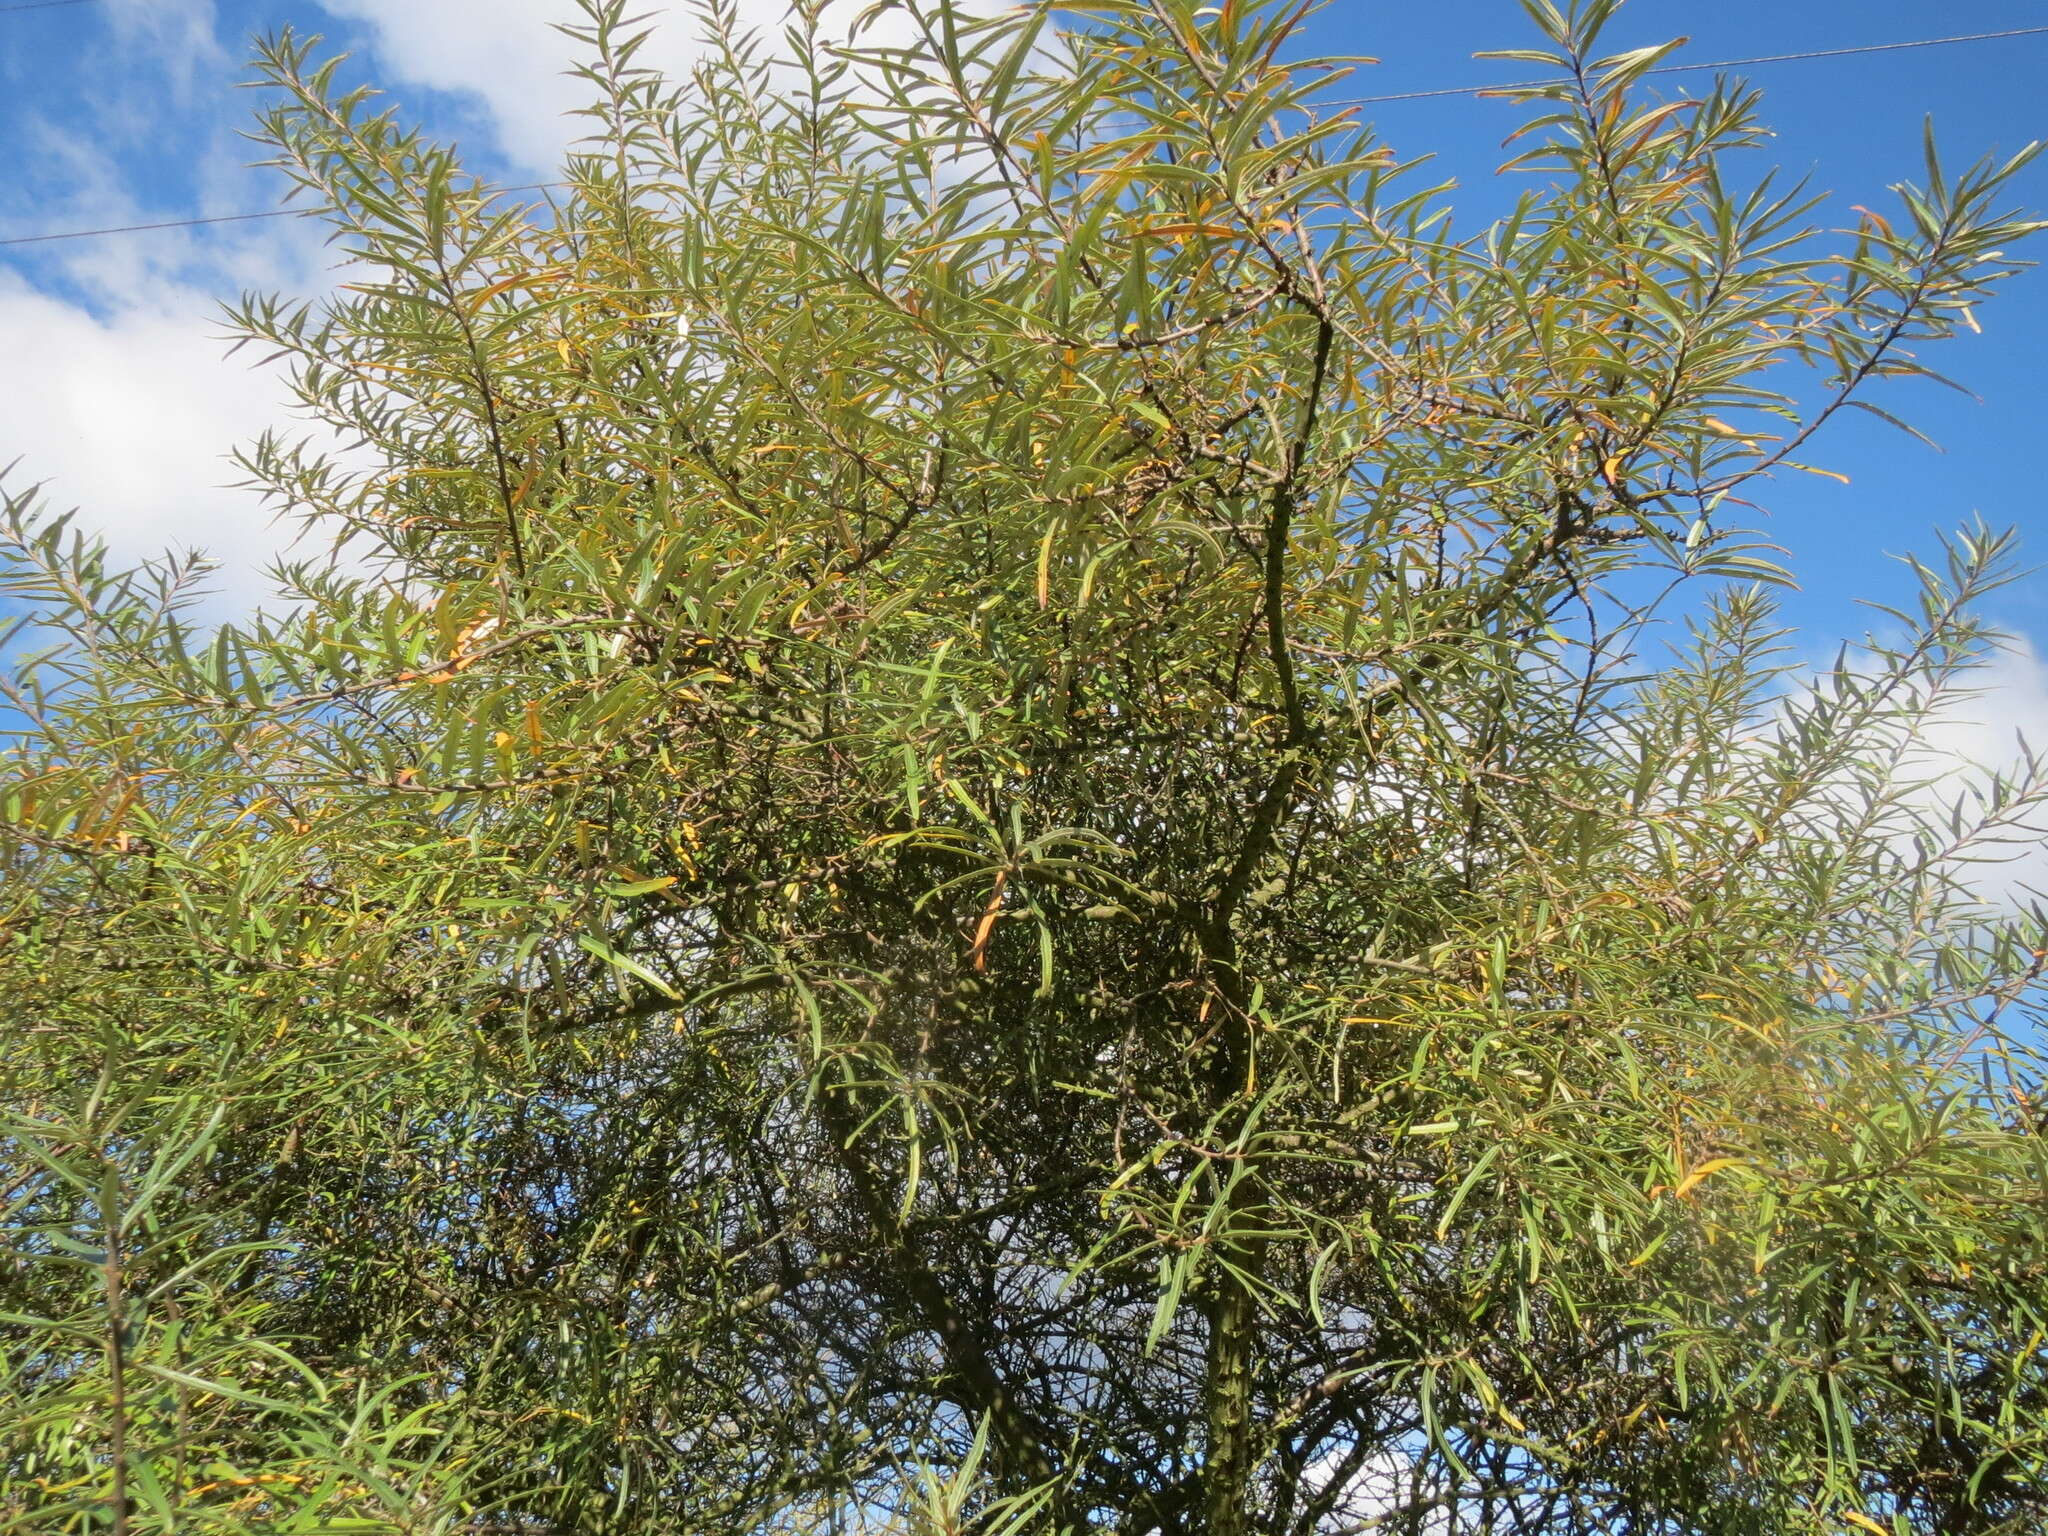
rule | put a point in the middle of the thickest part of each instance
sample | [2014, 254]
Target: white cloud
[1975, 739]
[1962, 774]
[507, 55]
[118, 396]
[177, 36]
[129, 417]
[1383, 1488]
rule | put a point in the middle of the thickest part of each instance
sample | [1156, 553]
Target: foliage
[990, 823]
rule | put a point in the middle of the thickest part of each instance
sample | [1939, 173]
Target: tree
[994, 801]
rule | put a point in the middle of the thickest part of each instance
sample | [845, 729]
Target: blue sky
[1854, 125]
[124, 111]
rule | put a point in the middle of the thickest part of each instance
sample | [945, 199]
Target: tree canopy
[1019, 806]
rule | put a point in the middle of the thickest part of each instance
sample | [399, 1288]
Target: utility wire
[1679, 69]
[220, 218]
[1356, 101]
[43, 5]
[130, 229]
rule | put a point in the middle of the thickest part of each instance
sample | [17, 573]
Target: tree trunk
[117, 1355]
[1228, 1458]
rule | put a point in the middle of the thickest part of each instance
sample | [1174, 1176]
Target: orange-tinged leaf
[1711, 1166]
[988, 922]
[1213, 231]
[503, 285]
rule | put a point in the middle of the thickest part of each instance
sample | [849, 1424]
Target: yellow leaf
[1856, 1518]
[484, 296]
[1213, 231]
[1712, 1165]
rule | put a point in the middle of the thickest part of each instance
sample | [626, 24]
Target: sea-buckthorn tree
[1020, 805]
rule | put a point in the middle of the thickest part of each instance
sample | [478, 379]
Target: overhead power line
[43, 5]
[1680, 69]
[224, 218]
[1356, 101]
[131, 229]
